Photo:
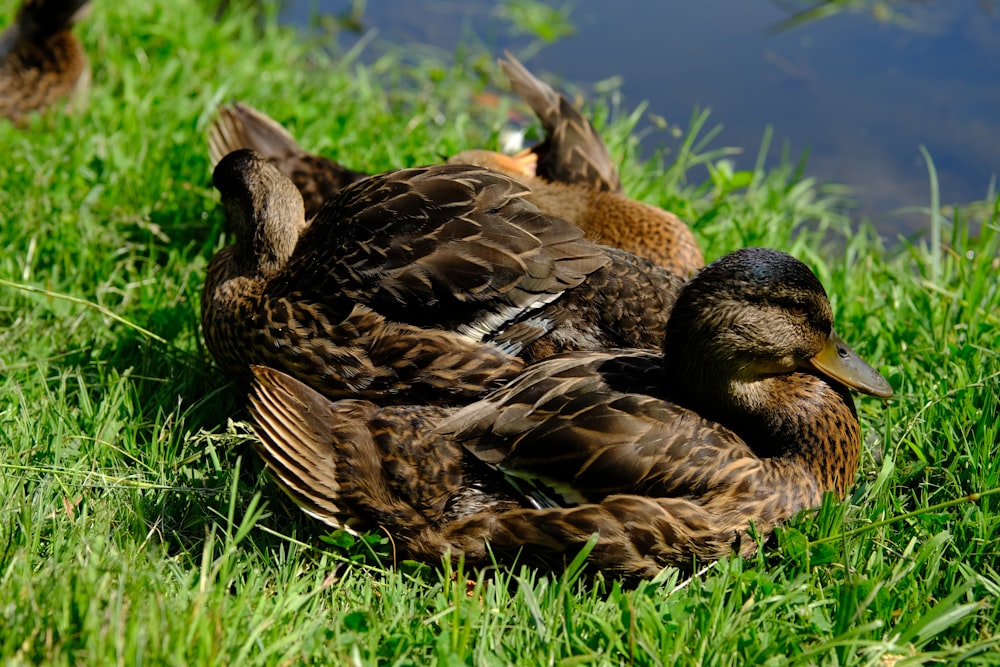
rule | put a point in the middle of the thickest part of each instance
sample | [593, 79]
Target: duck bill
[839, 362]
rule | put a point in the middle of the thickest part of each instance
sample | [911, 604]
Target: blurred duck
[431, 284]
[41, 61]
[672, 458]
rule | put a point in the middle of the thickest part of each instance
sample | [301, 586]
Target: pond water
[860, 93]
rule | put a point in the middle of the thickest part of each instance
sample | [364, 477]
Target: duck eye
[797, 310]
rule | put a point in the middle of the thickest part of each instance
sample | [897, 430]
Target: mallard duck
[672, 458]
[239, 126]
[425, 284]
[41, 61]
[571, 175]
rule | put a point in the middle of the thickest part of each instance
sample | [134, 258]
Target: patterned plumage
[571, 175]
[743, 420]
[573, 152]
[239, 126]
[41, 61]
[418, 284]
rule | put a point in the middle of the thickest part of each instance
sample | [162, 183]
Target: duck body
[41, 61]
[672, 458]
[422, 284]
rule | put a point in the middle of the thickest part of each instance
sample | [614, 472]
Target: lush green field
[135, 526]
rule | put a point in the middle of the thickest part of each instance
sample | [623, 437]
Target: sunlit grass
[135, 525]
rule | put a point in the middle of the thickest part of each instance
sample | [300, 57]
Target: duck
[571, 174]
[240, 126]
[673, 458]
[432, 283]
[41, 60]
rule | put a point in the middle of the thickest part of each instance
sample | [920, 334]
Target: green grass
[135, 524]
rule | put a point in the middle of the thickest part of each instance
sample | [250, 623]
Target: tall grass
[135, 525]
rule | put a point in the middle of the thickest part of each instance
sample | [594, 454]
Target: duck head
[751, 317]
[263, 208]
[38, 19]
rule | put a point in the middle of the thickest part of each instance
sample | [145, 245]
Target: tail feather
[240, 126]
[317, 178]
[541, 97]
[324, 455]
[573, 151]
[294, 425]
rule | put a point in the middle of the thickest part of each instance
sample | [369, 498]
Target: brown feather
[239, 126]
[573, 176]
[620, 437]
[415, 284]
[573, 151]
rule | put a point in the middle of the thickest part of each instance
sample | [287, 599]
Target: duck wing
[625, 304]
[349, 463]
[450, 246]
[577, 428]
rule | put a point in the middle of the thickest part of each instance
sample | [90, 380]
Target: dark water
[861, 95]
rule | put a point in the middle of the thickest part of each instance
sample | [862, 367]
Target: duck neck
[799, 418]
[265, 239]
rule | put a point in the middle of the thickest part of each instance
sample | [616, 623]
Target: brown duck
[240, 126]
[427, 284]
[571, 175]
[41, 61]
[745, 419]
